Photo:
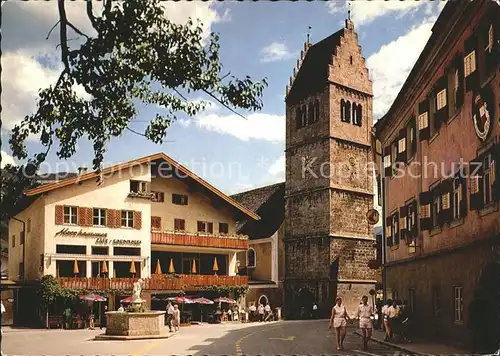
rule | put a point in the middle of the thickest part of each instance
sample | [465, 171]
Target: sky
[259, 39]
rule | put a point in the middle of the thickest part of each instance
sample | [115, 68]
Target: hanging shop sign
[483, 113]
[80, 233]
[117, 242]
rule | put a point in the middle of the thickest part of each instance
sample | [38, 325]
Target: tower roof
[311, 74]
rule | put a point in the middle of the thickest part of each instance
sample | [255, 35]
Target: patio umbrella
[202, 301]
[75, 268]
[193, 269]
[171, 268]
[158, 267]
[225, 300]
[104, 268]
[93, 297]
[215, 267]
[132, 267]
[126, 300]
[181, 300]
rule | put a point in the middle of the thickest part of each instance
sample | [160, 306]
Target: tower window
[357, 114]
[342, 110]
[316, 110]
[351, 59]
[311, 114]
[348, 111]
[304, 115]
[298, 118]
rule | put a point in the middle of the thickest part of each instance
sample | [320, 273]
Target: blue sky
[260, 39]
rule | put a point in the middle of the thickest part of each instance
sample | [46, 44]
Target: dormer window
[137, 186]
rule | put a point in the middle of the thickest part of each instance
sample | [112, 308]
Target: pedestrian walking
[170, 315]
[364, 314]
[385, 316]
[229, 314]
[104, 317]
[261, 312]
[252, 309]
[267, 311]
[176, 318]
[339, 320]
[315, 311]
[392, 315]
[67, 318]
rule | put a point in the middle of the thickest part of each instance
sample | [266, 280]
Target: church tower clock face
[482, 113]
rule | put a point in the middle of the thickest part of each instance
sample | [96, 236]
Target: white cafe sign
[102, 237]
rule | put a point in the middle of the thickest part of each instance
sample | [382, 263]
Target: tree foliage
[136, 55]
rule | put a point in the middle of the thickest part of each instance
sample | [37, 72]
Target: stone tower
[328, 241]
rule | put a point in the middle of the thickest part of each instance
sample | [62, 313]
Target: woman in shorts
[339, 320]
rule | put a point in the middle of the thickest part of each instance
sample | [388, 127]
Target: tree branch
[90, 15]
[76, 30]
[52, 29]
[223, 104]
[63, 34]
[136, 132]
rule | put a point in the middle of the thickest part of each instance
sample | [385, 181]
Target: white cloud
[6, 159]
[278, 167]
[364, 12]
[390, 66]
[257, 126]
[275, 52]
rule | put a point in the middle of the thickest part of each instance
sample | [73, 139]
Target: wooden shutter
[475, 183]
[413, 228]
[459, 98]
[413, 138]
[387, 161]
[446, 213]
[424, 130]
[82, 216]
[137, 220]
[472, 80]
[395, 217]
[113, 218]
[403, 223]
[425, 200]
[442, 115]
[156, 222]
[59, 214]
[402, 145]
[388, 230]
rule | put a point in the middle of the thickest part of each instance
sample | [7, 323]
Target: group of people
[394, 312]
[84, 319]
[260, 313]
[173, 317]
[340, 317]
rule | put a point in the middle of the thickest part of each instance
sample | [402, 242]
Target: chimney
[82, 170]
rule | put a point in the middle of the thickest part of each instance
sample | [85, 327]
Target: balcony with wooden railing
[200, 239]
[157, 282]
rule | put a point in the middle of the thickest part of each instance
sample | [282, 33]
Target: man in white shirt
[252, 310]
[261, 312]
[364, 314]
[392, 313]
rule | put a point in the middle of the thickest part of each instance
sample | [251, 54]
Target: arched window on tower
[298, 118]
[304, 115]
[342, 110]
[359, 115]
[251, 262]
[354, 106]
[316, 110]
[310, 111]
[347, 111]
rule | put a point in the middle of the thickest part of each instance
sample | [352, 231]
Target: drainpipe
[24, 244]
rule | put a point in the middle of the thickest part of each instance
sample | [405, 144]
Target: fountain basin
[126, 326]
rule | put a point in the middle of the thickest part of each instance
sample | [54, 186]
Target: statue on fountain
[136, 291]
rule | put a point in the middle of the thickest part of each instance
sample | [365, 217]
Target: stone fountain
[135, 325]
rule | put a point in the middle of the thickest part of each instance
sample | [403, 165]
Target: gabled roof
[269, 203]
[157, 156]
[313, 73]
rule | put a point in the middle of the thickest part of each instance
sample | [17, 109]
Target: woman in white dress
[339, 320]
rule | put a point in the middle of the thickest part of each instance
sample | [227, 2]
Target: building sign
[81, 233]
[482, 113]
[117, 242]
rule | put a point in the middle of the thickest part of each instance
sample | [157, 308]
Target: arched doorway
[305, 302]
[263, 300]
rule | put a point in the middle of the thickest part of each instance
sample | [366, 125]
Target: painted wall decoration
[483, 112]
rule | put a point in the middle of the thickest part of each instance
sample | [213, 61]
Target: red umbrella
[181, 300]
[225, 300]
[126, 300]
[93, 297]
[203, 301]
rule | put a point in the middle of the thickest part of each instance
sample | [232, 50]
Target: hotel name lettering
[102, 237]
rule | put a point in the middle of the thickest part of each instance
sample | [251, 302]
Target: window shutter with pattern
[402, 145]
[475, 182]
[137, 220]
[470, 64]
[403, 215]
[59, 214]
[387, 161]
[425, 200]
[388, 230]
[423, 120]
[156, 222]
[446, 213]
[442, 112]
